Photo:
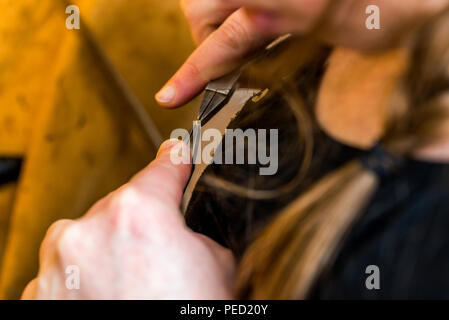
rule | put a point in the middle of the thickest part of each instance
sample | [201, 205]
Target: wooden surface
[7, 193]
[29, 36]
[63, 116]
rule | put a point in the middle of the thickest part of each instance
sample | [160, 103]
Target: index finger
[224, 50]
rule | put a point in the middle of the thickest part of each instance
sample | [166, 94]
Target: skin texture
[227, 31]
[134, 244]
[356, 94]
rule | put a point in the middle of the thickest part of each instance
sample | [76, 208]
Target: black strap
[381, 161]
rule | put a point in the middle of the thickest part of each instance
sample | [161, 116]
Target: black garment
[404, 232]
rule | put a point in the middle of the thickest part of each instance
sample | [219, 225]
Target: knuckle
[123, 198]
[69, 241]
[56, 227]
[53, 234]
[31, 290]
[234, 34]
[37, 288]
[123, 204]
[193, 71]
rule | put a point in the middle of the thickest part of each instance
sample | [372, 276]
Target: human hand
[228, 31]
[134, 244]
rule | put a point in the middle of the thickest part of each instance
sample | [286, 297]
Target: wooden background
[59, 111]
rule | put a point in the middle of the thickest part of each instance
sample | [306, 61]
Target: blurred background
[69, 133]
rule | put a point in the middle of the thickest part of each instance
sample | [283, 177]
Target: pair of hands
[134, 243]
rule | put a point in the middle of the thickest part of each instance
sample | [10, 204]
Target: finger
[48, 244]
[301, 9]
[224, 50]
[166, 177]
[30, 291]
[267, 5]
[205, 16]
[98, 206]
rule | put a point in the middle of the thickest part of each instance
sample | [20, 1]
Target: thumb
[224, 50]
[166, 177]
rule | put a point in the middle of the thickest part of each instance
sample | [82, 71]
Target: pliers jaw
[217, 95]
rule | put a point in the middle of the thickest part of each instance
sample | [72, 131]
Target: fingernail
[167, 145]
[166, 94]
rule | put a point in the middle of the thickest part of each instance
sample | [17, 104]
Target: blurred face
[284, 16]
[345, 20]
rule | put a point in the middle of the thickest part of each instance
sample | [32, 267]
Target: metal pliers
[217, 95]
[218, 92]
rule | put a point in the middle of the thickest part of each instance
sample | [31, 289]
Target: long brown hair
[292, 251]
